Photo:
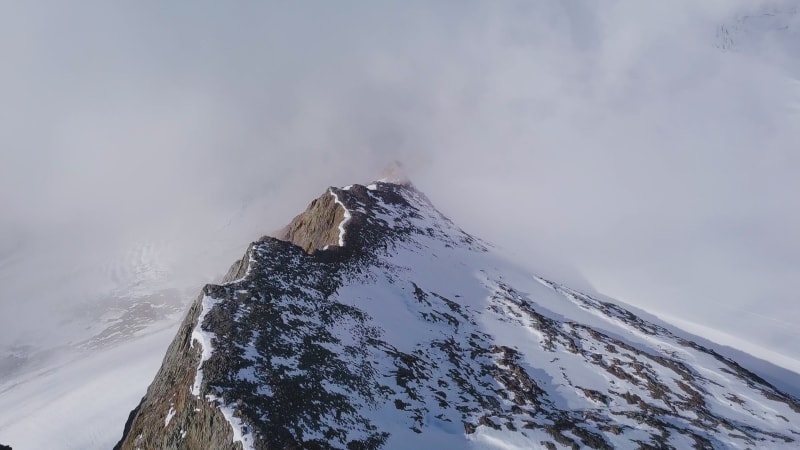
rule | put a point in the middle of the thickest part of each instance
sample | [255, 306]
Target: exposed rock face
[196, 423]
[416, 334]
[317, 227]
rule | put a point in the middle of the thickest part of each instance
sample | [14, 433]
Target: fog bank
[649, 146]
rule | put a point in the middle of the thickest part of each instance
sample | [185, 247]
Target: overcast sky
[652, 146]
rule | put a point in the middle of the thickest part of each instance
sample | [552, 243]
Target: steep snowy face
[378, 323]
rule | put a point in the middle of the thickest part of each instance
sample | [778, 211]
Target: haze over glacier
[644, 150]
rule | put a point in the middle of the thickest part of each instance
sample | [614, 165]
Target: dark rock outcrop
[195, 422]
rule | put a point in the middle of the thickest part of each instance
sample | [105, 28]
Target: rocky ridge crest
[414, 322]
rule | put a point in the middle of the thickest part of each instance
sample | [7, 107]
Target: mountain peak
[378, 323]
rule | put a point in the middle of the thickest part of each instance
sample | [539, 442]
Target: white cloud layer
[650, 145]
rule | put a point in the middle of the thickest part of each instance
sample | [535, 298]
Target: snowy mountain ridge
[375, 322]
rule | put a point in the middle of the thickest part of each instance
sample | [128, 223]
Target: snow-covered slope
[383, 325]
[76, 401]
[89, 324]
[88, 310]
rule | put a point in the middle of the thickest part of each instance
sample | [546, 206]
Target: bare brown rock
[317, 227]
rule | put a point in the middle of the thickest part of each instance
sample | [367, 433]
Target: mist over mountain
[641, 150]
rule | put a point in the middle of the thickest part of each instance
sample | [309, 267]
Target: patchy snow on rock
[424, 336]
[241, 432]
[170, 415]
[344, 221]
[203, 338]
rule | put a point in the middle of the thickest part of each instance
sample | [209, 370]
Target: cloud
[617, 138]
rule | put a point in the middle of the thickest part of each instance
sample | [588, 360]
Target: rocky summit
[372, 321]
